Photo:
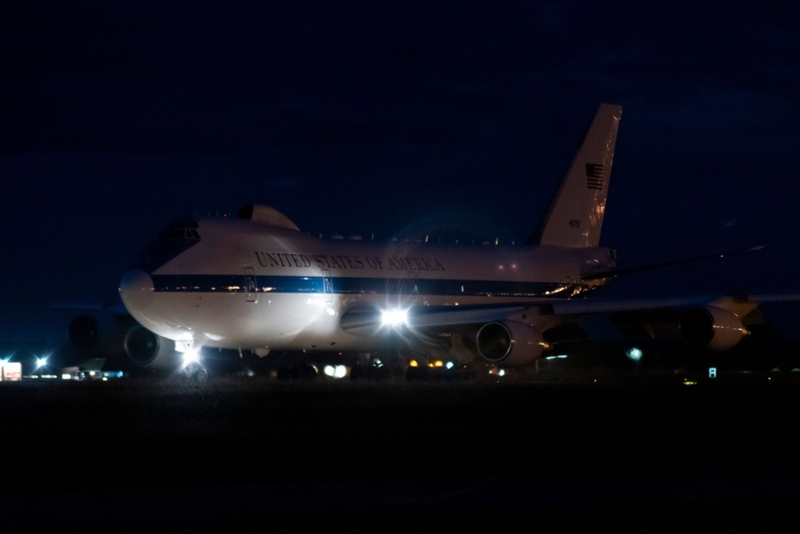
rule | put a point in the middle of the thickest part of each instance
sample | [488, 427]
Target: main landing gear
[298, 371]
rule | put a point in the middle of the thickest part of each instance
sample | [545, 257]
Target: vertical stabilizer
[575, 215]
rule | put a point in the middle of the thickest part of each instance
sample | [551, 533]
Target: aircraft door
[412, 283]
[412, 287]
[327, 286]
[250, 284]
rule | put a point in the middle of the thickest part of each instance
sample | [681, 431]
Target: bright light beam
[191, 356]
[394, 318]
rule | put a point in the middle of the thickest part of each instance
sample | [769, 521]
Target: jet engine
[711, 327]
[509, 343]
[99, 334]
[121, 342]
[146, 349]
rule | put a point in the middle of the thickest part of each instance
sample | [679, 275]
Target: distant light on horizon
[634, 353]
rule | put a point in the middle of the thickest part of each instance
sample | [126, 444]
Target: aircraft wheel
[200, 377]
[284, 373]
[368, 372]
[297, 372]
[305, 372]
[357, 373]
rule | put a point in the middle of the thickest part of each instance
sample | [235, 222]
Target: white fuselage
[249, 285]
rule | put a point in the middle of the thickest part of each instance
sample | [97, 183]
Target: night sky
[453, 119]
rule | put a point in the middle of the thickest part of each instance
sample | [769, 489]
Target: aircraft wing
[367, 321]
[740, 304]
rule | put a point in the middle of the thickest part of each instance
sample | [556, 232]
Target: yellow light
[438, 363]
[413, 363]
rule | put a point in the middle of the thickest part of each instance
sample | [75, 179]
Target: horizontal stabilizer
[616, 272]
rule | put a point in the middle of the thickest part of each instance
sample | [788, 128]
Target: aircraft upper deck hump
[575, 215]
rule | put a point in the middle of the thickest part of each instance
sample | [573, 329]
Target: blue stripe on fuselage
[204, 283]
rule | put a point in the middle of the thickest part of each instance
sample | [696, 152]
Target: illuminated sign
[11, 371]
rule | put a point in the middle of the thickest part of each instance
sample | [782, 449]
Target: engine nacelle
[99, 334]
[711, 327]
[121, 342]
[146, 349]
[509, 343]
[84, 332]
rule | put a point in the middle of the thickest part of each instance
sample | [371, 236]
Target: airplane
[258, 283]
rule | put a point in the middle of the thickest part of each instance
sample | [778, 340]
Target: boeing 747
[259, 284]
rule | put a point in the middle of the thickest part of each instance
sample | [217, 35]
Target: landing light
[3, 362]
[191, 356]
[335, 371]
[41, 362]
[394, 318]
[449, 365]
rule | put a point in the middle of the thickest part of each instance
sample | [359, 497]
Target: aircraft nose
[136, 289]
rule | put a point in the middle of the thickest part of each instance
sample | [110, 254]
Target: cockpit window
[180, 229]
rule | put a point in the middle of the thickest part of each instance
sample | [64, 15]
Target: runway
[150, 453]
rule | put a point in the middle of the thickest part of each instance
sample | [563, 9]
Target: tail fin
[575, 215]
